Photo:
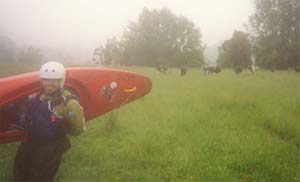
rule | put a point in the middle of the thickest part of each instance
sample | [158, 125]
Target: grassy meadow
[223, 127]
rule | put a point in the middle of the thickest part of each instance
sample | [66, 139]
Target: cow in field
[239, 69]
[211, 69]
[162, 68]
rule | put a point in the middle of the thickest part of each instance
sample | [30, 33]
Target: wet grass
[195, 128]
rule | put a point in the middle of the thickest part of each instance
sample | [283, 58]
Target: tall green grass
[222, 127]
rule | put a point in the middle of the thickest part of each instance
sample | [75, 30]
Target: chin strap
[61, 83]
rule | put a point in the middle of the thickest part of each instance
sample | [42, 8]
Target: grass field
[195, 128]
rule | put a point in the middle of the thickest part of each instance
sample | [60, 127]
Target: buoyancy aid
[44, 122]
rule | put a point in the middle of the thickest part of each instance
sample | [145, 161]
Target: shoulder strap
[32, 101]
[64, 100]
[70, 97]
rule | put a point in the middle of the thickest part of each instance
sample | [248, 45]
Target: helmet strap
[61, 83]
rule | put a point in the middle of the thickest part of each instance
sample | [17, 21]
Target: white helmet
[53, 70]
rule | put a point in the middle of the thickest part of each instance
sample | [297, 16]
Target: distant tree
[98, 55]
[159, 37]
[224, 59]
[275, 28]
[7, 50]
[30, 55]
[235, 52]
[108, 53]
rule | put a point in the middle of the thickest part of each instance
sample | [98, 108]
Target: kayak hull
[100, 90]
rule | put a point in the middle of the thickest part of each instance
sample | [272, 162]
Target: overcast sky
[85, 23]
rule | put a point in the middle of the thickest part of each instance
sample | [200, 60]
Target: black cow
[212, 69]
[238, 69]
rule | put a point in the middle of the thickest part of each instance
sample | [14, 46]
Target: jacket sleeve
[75, 118]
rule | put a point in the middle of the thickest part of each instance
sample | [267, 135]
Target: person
[51, 115]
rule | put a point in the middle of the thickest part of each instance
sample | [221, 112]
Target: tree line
[275, 33]
[159, 37]
[272, 41]
[11, 53]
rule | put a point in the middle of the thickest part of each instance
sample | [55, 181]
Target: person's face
[50, 85]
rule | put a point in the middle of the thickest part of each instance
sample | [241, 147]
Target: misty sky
[85, 23]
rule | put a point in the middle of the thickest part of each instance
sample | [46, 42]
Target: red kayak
[100, 90]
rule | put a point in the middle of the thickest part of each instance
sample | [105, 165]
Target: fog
[78, 26]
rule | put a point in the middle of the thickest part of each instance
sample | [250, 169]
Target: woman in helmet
[51, 115]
